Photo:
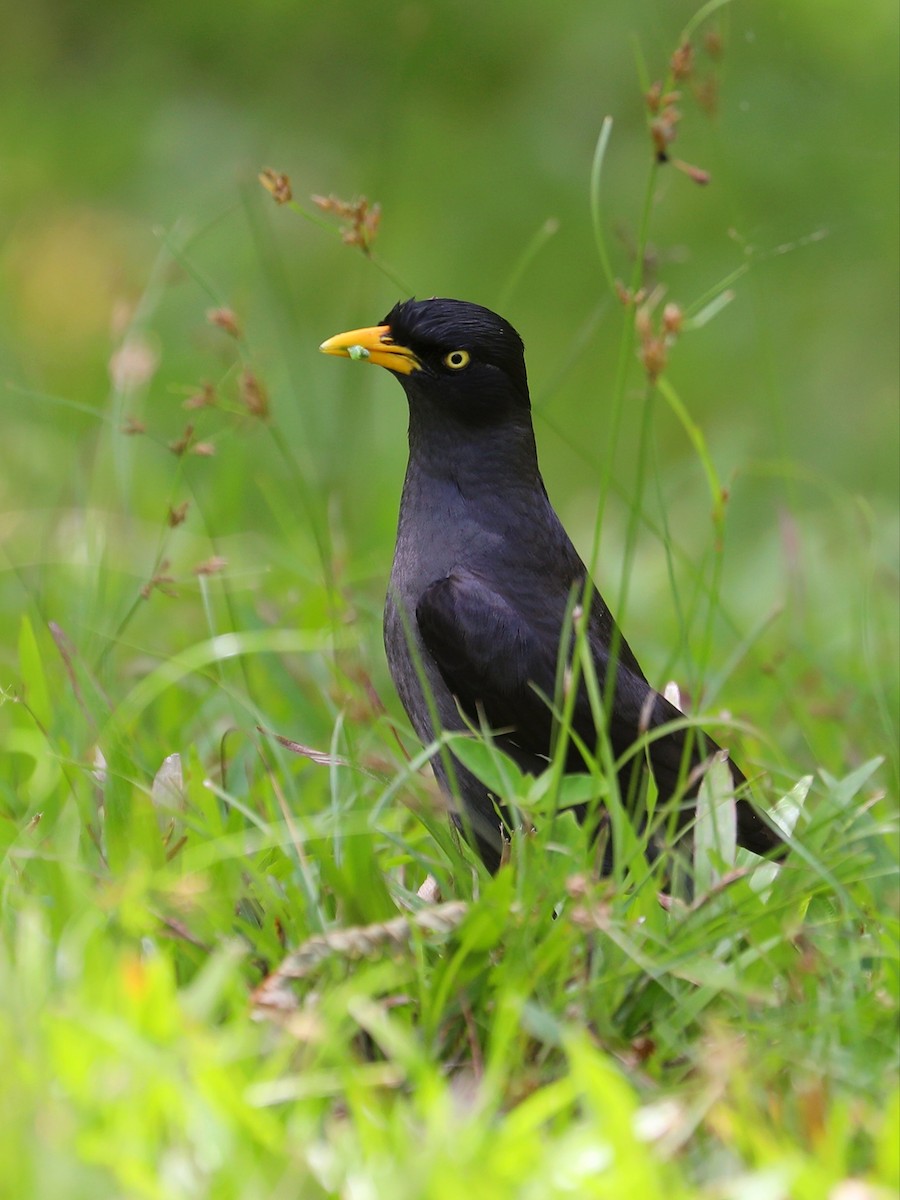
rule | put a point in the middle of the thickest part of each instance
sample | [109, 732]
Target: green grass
[167, 847]
[561, 1034]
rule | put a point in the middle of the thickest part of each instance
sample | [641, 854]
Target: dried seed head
[577, 886]
[654, 356]
[672, 319]
[160, 582]
[254, 396]
[212, 566]
[713, 43]
[643, 1048]
[627, 297]
[277, 185]
[177, 514]
[654, 347]
[663, 131]
[133, 426]
[363, 219]
[682, 61]
[133, 364]
[653, 97]
[697, 174]
[203, 449]
[224, 318]
[331, 204]
[205, 398]
[180, 445]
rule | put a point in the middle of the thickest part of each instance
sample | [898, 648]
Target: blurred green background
[129, 206]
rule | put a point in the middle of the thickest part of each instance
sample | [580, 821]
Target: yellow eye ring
[456, 359]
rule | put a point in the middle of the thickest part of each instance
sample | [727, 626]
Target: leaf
[715, 829]
[787, 810]
[167, 789]
[572, 789]
[491, 766]
[37, 694]
[845, 789]
[786, 813]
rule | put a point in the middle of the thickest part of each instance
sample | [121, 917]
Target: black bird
[485, 577]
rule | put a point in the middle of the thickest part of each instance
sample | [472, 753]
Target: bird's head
[457, 357]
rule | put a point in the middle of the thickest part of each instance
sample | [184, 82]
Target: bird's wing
[499, 663]
[502, 663]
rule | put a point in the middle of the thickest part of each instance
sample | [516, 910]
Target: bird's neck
[500, 460]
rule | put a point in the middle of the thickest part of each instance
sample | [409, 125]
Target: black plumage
[485, 578]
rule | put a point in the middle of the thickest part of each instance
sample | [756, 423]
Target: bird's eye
[456, 359]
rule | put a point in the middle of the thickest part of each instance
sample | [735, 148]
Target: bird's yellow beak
[375, 346]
